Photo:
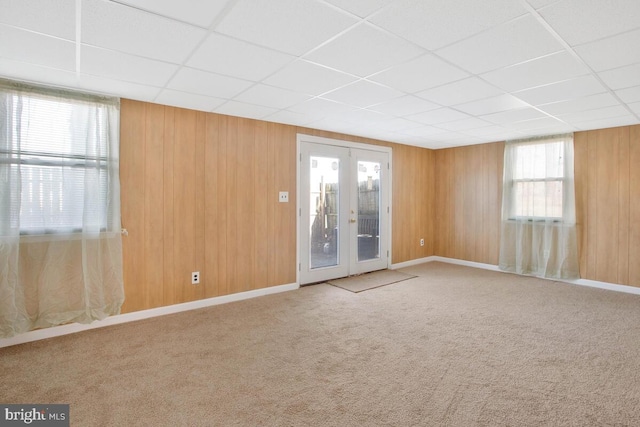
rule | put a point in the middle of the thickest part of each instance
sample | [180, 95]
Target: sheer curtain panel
[60, 241]
[538, 233]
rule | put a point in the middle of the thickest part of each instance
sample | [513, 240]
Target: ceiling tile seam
[575, 55]
[29, 30]
[222, 15]
[608, 37]
[341, 10]
[262, 82]
[297, 58]
[332, 38]
[159, 15]
[184, 61]
[485, 30]
[78, 37]
[219, 17]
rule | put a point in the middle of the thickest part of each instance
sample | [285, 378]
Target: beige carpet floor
[367, 281]
[454, 346]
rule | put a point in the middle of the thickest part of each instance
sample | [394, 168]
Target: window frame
[110, 225]
[511, 184]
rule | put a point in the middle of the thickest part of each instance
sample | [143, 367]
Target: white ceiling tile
[511, 116]
[188, 100]
[38, 49]
[516, 41]
[612, 52]
[114, 26]
[244, 58]
[305, 77]
[597, 114]
[459, 92]
[492, 105]
[335, 126]
[320, 108]
[453, 138]
[240, 109]
[52, 17]
[623, 77]
[361, 115]
[24, 71]
[364, 50]
[440, 145]
[362, 94]
[607, 123]
[544, 123]
[120, 66]
[208, 84]
[423, 131]
[119, 88]
[537, 4]
[580, 21]
[398, 124]
[562, 91]
[197, 12]
[591, 102]
[404, 105]
[362, 8]
[635, 107]
[223, 55]
[441, 115]
[631, 94]
[289, 118]
[541, 71]
[491, 131]
[291, 26]
[435, 23]
[269, 96]
[419, 74]
[464, 124]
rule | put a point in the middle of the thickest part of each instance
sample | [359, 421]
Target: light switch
[284, 197]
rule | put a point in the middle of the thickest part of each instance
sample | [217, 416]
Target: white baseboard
[581, 282]
[466, 263]
[605, 285]
[57, 331]
[411, 263]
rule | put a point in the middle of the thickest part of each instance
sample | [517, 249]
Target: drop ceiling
[430, 73]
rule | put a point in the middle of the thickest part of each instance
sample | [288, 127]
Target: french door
[344, 211]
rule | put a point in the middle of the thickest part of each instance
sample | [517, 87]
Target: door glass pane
[368, 210]
[324, 188]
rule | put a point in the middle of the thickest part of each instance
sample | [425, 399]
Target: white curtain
[538, 233]
[60, 241]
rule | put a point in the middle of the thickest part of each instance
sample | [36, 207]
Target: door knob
[352, 220]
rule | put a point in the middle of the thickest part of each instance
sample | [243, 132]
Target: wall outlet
[421, 242]
[195, 277]
[284, 197]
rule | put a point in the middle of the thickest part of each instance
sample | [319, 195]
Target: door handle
[352, 220]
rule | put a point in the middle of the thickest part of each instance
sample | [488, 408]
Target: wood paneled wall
[607, 179]
[468, 197]
[200, 193]
[607, 169]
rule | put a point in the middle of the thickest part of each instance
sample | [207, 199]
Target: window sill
[52, 237]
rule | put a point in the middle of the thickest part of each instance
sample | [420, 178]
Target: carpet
[366, 281]
[455, 346]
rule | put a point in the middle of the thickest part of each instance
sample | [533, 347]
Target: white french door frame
[303, 138]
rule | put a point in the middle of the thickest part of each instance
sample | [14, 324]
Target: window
[535, 178]
[55, 151]
[538, 232]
